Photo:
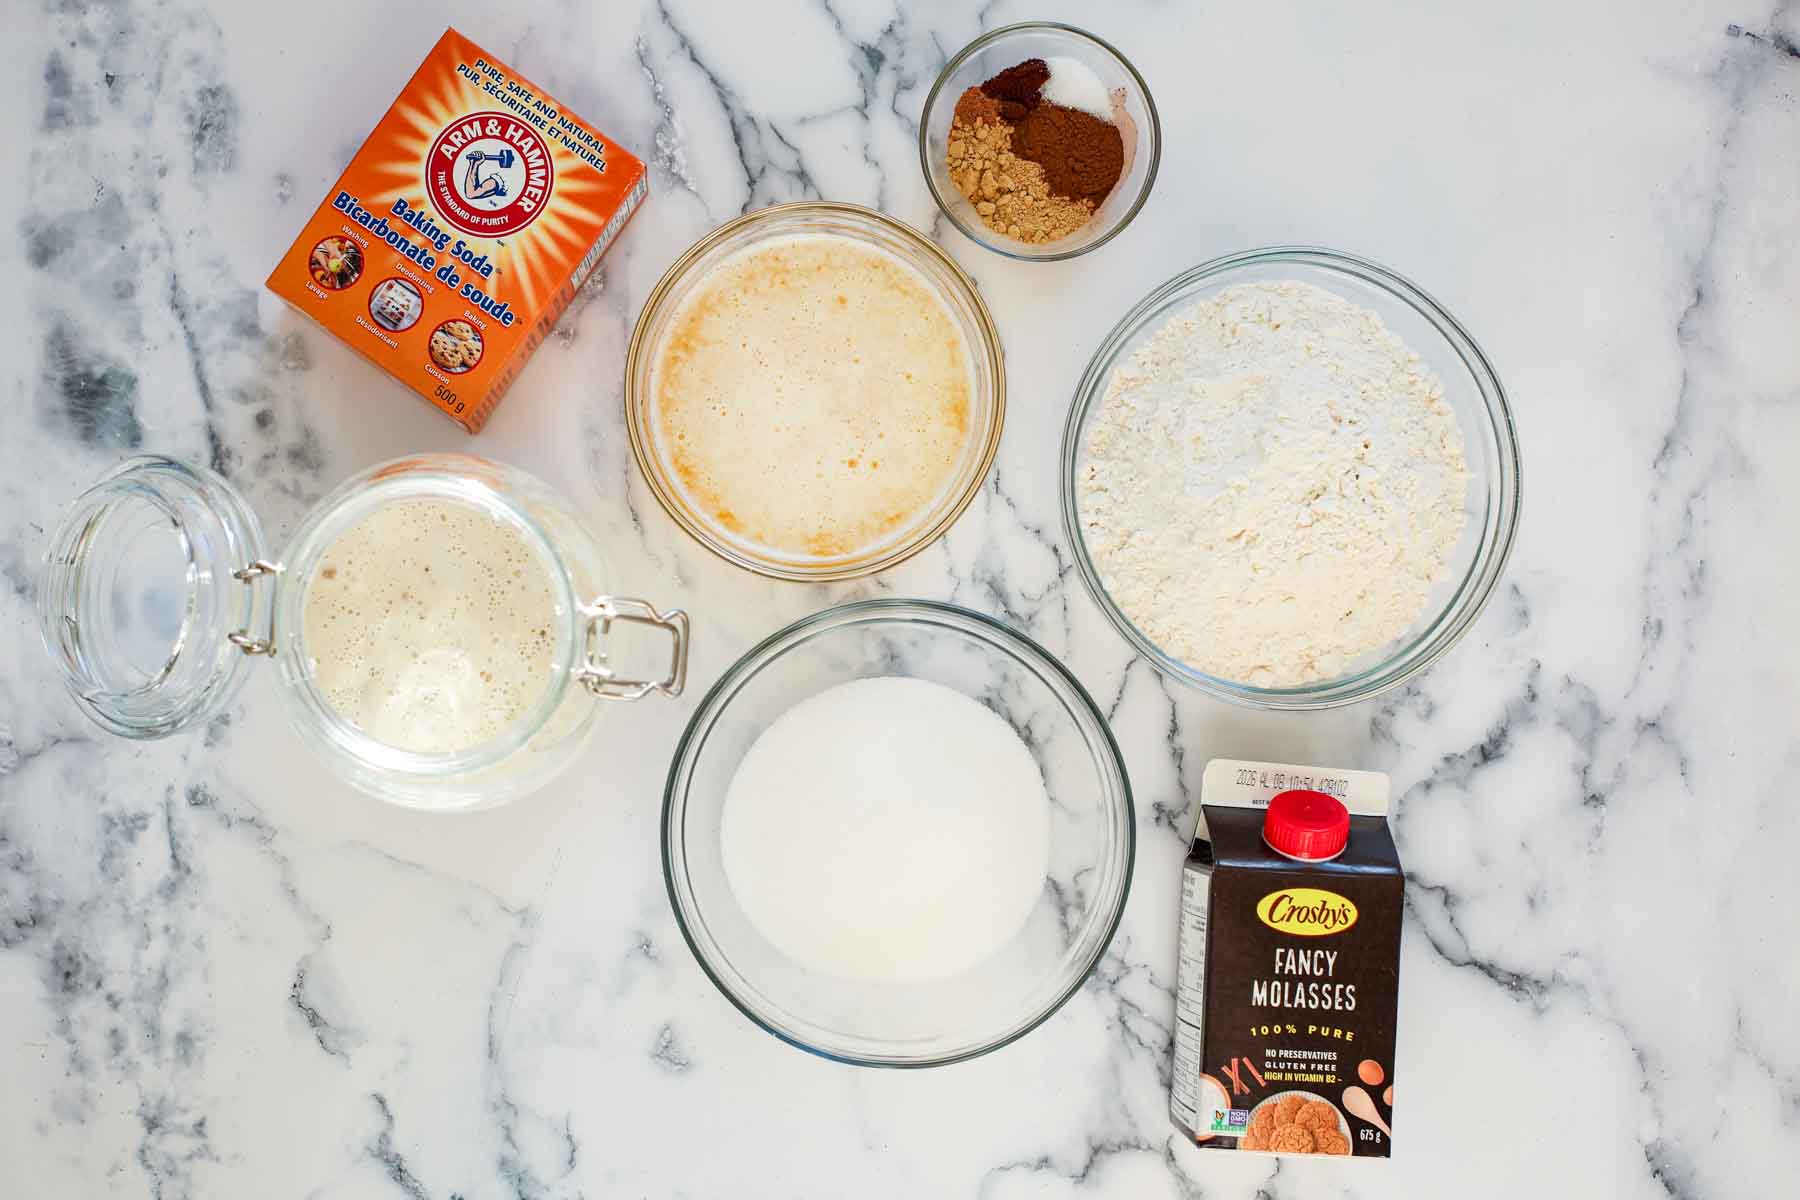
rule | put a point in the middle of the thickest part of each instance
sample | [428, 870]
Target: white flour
[1272, 485]
[887, 829]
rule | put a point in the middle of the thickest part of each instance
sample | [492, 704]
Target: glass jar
[159, 592]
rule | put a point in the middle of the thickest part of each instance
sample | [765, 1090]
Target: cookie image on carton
[456, 346]
[484, 197]
[1297, 1123]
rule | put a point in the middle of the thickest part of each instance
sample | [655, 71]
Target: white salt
[1073, 84]
[887, 829]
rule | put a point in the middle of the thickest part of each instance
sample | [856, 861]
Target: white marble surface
[222, 974]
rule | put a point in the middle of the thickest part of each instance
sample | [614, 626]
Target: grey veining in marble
[223, 974]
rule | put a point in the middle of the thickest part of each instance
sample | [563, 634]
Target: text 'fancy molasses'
[1288, 984]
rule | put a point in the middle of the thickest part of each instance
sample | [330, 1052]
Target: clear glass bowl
[1092, 836]
[1473, 392]
[956, 291]
[1008, 46]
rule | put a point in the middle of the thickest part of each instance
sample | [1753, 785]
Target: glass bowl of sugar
[898, 834]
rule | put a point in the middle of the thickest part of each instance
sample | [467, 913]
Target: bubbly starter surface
[430, 626]
[813, 395]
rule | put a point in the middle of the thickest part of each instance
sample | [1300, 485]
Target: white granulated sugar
[1273, 485]
[1073, 84]
[887, 829]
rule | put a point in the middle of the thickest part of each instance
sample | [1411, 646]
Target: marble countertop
[224, 974]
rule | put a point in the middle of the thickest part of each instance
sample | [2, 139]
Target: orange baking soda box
[461, 229]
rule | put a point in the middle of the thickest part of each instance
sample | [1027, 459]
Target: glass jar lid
[154, 596]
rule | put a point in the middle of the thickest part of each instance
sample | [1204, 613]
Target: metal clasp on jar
[245, 639]
[599, 678]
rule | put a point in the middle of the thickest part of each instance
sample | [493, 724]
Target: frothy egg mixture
[431, 626]
[813, 396]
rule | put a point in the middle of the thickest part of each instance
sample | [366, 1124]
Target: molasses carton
[1288, 983]
[461, 229]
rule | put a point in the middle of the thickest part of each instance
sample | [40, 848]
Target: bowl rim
[795, 633]
[1500, 520]
[988, 355]
[977, 234]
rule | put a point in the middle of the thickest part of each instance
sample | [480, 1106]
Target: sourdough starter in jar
[431, 626]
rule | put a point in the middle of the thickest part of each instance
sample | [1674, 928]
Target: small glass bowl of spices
[1039, 141]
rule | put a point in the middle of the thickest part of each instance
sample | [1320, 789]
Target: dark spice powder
[1082, 155]
[1018, 89]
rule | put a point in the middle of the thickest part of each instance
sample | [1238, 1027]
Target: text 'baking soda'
[461, 229]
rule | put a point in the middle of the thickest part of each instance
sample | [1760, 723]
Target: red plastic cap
[1309, 826]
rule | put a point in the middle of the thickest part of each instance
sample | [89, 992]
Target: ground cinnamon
[1082, 155]
[976, 105]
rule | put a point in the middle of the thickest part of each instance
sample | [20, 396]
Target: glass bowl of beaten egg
[909, 1000]
[815, 391]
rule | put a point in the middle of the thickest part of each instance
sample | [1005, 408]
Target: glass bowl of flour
[1290, 478]
[897, 833]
